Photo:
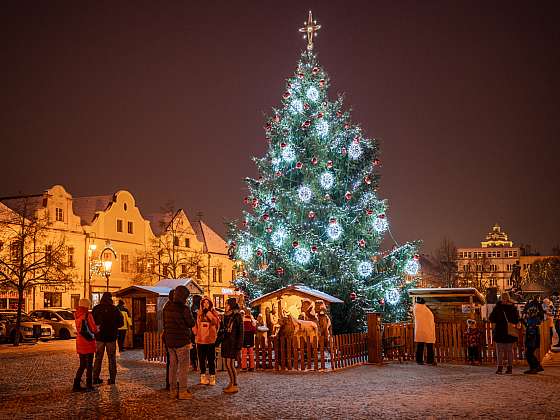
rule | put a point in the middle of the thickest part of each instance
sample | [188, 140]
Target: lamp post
[99, 266]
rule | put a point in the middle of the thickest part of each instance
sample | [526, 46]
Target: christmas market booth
[452, 304]
[288, 300]
[145, 304]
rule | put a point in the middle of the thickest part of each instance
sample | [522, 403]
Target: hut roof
[162, 287]
[297, 289]
[448, 294]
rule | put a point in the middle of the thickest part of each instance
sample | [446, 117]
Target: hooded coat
[84, 346]
[424, 324]
[233, 334]
[108, 319]
[177, 320]
[207, 324]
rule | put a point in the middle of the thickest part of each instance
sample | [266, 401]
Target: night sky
[166, 99]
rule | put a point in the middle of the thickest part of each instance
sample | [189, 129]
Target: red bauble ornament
[283, 145]
[381, 301]
[273, 200]
[356, 140]
[255, 202]
[306, 106]
[245, 273]
[348, 195]
[280, 271]
[315, 70]
[330, 164]
[300, 75]
[346, 126]
[259, 252]
[416, 257]
[322, 83]
[306, 124]
[313, 248]
[268, 127]
[260, 179]
[343, 151]
[320, 115]
[362, 243]
[246, 200]
[338, 114]
[276, 118]
[299, 165]
[367, 179]
[269, 229]
[369, 212]
[266, 217]
[311, 215]
[295, 244]
[314, 160]
[376, 162]
[353, 296]
[381, 216]
[245, 223]
[278, 173]
[286, 95]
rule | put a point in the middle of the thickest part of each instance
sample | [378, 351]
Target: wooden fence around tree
[339, 352]
[387, 342]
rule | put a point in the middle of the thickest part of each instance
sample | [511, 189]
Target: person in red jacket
[85, 345]
[206, 330]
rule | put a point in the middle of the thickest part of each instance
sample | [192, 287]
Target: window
[70, 257]
[48, 254]
[515, 253]
[187, 243]
[139, 265]
[470, 254]
[183, 268]
[52, 299]
[214, 272]
[510, 282]
[219, 301]
[130, 226]
[165, 270]
[198, 272]
[59, 215]
[125, 266]
[498, 254]
[493, 282]
[119, 225]
[175, 241]
[219, 275]
[14, 250]
[465, 267]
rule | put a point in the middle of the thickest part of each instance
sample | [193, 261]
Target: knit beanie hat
[84, 303]
[232, 302]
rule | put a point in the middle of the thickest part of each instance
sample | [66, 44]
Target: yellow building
[96, 228]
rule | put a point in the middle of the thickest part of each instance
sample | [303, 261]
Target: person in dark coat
[108, 320]
[169, 301]
[177, 324]
[533, 315]
[194, 310]
[232, 342]
[504, 312]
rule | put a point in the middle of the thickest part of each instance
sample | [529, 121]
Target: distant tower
[496, 238]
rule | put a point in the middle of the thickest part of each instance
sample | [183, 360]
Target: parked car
[62, 320]
[8, 318]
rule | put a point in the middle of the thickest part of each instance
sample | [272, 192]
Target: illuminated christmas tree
[313, 215]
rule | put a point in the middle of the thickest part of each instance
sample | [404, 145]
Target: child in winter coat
[473, 338]
[206, 331]
[85, 345]
[231, 343]
[249, 330]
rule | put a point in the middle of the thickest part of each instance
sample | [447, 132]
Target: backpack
[85, 331]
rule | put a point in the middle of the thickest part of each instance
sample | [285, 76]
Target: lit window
[183, 268]
[130, 227]
[214, 272]
[175, 241]
[125, 266]
[219, 275]
[187, 243]
[119, 225]
[59, 215]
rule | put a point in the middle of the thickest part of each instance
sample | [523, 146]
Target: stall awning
[449, 294]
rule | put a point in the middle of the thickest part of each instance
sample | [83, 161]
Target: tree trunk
[18, 317]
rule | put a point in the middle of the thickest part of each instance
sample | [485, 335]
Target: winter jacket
[249, 330]
[533, 315]
[83, 346]
[177, 320]
[498, 317]
[109, 319]
[233, 334]
[207, 324]
[473, 337]
[424, 324]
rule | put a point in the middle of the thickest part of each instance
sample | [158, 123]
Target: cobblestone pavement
[35, 383]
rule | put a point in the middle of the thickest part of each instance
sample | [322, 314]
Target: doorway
[138, 321]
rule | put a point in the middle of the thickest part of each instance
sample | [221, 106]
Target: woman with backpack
[85, 345]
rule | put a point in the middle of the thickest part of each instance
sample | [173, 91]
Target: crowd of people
[507, 320]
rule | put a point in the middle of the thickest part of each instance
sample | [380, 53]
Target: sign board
[466, 309]
[52, 288]
[150, 308]
[227, 291]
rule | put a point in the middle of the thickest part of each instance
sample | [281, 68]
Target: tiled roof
[31, 203]
[85, 207]
[213, 242]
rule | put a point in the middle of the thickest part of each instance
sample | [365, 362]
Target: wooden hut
[452, 304]
[145, 304]
[289, 299]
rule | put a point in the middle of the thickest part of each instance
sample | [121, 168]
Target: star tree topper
[310, 29]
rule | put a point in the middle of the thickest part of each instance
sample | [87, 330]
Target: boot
[204, 379]
[509, 370]
[77, 385]
[212, 381]
[499, 371]
[231, 389]
[185, 394]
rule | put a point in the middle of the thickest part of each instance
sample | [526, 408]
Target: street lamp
[99, 266]
[107, 265]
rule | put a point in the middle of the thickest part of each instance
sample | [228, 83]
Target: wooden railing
[450, 346]
[339, 352]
